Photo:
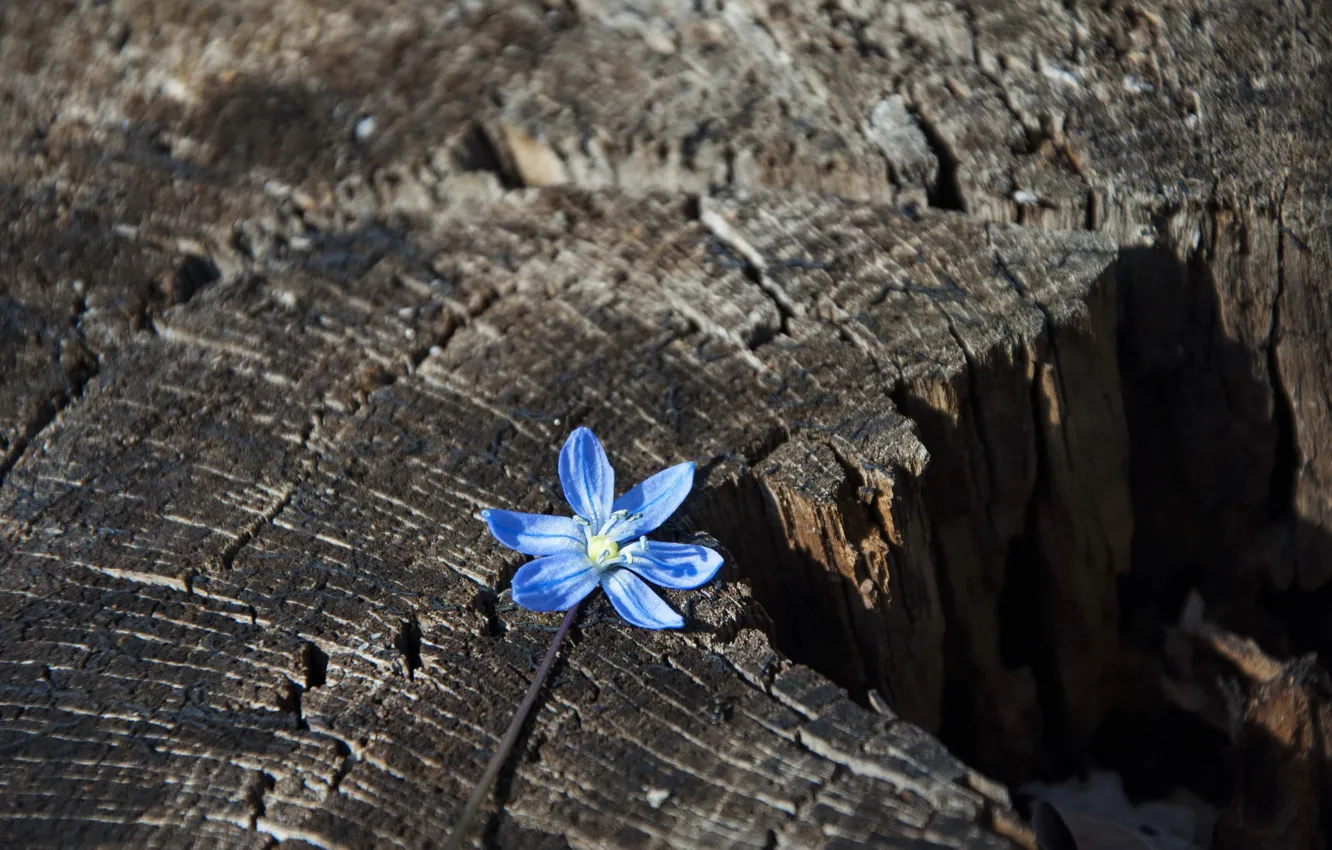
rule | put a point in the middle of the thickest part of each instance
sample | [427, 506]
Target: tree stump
[992, 329]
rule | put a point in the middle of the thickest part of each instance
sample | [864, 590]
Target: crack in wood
[314, 661]
[1286, 454]
[408, 642]
[47, 414]
[226, 559]
[946, 192]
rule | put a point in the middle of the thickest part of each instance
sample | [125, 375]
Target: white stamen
[611, 522]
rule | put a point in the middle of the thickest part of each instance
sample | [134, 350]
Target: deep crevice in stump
[1177, 374]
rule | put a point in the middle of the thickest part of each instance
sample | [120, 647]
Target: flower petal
[655, 500]
[636, 602]
[587, 477]
[554, 583]
[535, 534]
[679, 565]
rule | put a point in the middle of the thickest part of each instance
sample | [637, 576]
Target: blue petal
[535, 534]
[678, 565]
[636, 602]
[655, 499]
[587, 477]
[554, 583]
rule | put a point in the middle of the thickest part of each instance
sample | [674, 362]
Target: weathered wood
[258, 522]
[291, 290]
[1277, 714]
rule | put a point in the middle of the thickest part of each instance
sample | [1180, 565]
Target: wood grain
[963, 310]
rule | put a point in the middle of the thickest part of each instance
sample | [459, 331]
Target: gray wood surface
[289, 291]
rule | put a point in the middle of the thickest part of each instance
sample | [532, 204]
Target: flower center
[602, 549]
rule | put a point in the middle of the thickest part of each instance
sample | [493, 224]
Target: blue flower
[578, 553]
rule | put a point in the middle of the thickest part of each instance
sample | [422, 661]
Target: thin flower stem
[482, 789]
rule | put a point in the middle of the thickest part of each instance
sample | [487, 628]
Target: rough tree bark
[289, 291]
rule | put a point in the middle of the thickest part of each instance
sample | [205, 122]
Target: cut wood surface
[937, 296]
